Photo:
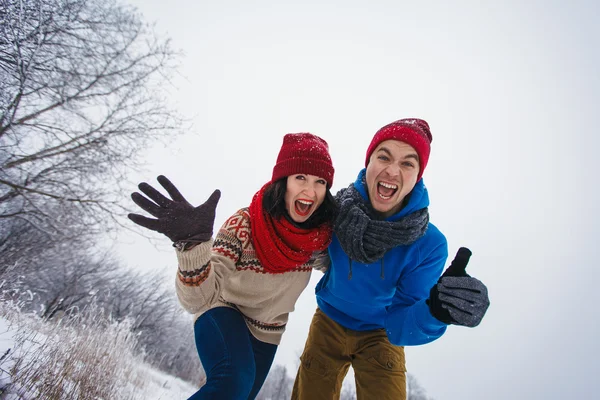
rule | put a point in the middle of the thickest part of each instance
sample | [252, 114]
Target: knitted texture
[176, 218]
[458, 298]
[412, 131]
[304, 153]
[280, 245]
[229, 274]
[366, 239]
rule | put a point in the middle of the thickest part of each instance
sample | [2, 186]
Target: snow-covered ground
[159, 385]
[18, 342]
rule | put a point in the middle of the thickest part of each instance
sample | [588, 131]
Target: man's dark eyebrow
[389, 153]
[382, 148]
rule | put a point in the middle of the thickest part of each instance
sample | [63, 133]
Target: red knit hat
[412, 131]
[304, 153]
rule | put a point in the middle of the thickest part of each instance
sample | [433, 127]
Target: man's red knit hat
[304, 153]
[412, 131]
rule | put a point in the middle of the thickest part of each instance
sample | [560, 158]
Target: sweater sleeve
[321, 261]
[204, 269]
[408, 320]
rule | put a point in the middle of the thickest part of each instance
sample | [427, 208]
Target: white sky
[511, 92]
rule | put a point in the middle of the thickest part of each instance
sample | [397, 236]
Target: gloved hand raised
[177, 219]
[457, 298]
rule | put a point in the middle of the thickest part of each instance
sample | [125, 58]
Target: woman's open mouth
[303, 207]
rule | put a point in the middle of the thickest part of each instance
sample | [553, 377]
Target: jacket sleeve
[204, 269]
[408, 320]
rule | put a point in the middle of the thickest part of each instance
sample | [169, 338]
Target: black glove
[177, 219]
[458, 298]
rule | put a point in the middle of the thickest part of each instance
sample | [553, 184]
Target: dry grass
[75, 358]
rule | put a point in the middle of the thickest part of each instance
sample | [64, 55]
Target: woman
[242, 286]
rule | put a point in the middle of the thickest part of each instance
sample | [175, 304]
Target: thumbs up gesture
[457, 298]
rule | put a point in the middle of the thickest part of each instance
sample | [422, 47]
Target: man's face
[391, 175]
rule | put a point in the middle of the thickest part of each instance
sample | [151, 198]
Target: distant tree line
[279, 385]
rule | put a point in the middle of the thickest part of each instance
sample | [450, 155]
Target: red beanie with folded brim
[412, 131]
[304, 153]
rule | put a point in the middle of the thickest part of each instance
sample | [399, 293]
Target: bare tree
[80, 95]
[82, 91]
[51, 278]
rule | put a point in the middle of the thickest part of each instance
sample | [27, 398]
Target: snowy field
[89, 359]
[79, 370]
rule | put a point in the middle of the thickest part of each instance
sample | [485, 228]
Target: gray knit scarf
[366, 239]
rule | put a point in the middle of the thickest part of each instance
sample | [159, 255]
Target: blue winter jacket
[391, 292]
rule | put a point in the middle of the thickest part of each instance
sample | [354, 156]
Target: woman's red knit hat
[304, 153]
[412, 131]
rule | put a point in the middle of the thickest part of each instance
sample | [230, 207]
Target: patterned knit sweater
[227, 273]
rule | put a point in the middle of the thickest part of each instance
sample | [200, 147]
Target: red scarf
[281, 246]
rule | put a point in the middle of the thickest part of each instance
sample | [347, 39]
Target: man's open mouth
[386, 190]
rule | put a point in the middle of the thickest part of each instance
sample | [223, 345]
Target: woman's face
[303, 196]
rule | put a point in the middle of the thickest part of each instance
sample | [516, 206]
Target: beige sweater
[227, 273]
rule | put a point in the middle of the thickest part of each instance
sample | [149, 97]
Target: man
[380, 292]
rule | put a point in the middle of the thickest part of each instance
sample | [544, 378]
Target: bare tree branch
[81, 93]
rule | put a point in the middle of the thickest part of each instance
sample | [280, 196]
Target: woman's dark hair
[274, 204]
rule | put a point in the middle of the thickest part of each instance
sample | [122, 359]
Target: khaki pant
[379, 366]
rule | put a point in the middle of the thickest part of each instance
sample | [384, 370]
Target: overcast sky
[511, 91]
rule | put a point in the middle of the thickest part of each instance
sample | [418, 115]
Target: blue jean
[235, 362]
